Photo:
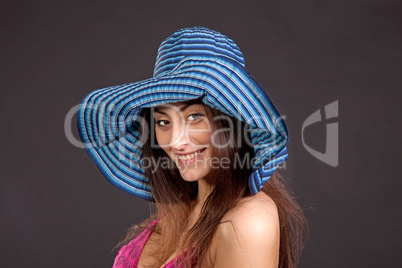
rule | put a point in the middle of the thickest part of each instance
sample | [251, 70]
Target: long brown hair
[173, 197]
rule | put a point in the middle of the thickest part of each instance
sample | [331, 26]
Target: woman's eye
[195, 116]
[191, 117]
[161, 121]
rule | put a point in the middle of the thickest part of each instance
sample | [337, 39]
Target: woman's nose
[178, 137]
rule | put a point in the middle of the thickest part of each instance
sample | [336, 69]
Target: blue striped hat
[191, 63]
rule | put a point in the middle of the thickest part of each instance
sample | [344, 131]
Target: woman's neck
[204, 189]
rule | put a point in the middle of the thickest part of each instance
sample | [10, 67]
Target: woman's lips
[192, 160]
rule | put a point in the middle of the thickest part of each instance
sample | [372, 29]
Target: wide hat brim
[107, 118]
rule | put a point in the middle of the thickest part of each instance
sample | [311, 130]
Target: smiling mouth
[190, 156]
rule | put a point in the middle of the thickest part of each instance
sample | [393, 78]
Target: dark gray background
[58, 211]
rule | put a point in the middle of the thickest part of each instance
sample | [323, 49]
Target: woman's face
[184, 131]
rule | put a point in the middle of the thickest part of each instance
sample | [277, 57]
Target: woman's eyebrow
[182, 108]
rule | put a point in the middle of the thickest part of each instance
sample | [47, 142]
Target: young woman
[202, 140]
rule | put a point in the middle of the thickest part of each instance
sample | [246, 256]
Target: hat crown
[195, 41]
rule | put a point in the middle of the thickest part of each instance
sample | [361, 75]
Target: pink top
[129, 255]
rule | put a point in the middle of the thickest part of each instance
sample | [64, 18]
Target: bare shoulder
[248, 235]
[256, 209]
[255, 216]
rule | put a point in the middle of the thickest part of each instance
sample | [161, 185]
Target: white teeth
[189, 156]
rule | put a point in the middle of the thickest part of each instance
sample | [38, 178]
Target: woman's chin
[188, 178]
